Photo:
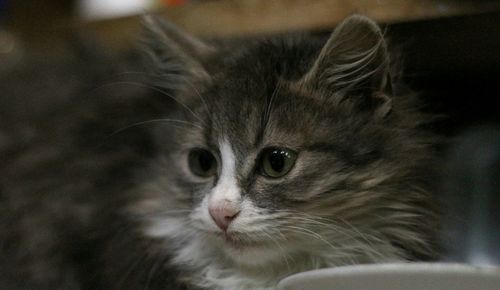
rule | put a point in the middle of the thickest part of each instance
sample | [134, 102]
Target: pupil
[277, 160]
[205, 161]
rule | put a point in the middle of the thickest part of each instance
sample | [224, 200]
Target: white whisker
[154, 89]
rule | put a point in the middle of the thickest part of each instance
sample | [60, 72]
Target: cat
[216, 165]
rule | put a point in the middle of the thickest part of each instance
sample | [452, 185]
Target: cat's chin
[250, 254]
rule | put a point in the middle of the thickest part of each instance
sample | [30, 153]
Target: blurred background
[450, 49]
[450, 52]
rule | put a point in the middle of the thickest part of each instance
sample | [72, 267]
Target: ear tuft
[173, 53]
[190, 45]
[354, 62]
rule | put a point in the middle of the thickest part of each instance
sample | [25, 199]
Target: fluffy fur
[96, 191]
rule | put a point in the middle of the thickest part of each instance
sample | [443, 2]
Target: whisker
[327, 223]
[154, 268]
[363, 242]
[270, 105]
[331, 223]
[310, 233]
[172, 75]
[362, 235]
[154, 89]
[283, 253]
[200, 97]
[132, 267]
[154, 121]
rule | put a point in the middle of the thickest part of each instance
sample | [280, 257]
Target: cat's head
[282, 148]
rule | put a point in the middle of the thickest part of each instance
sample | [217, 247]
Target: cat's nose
[223, 213]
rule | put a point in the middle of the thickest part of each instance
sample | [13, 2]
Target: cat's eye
[277, 162]
[202, 163]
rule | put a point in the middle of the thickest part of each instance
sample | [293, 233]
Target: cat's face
[268, 161]
[261, 168]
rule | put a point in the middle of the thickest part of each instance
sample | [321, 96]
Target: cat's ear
[354, 63]
[174, 54]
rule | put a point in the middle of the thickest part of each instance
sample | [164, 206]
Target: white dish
[408, 276]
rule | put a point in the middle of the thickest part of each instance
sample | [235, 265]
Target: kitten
[225, 166]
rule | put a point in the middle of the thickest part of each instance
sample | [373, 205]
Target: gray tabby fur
[95, 192]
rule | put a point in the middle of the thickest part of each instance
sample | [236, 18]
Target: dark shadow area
[454, 64]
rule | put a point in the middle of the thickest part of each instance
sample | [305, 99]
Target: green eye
[276, 162]
[202, 163]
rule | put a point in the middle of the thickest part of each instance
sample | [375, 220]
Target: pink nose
[223, 214]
